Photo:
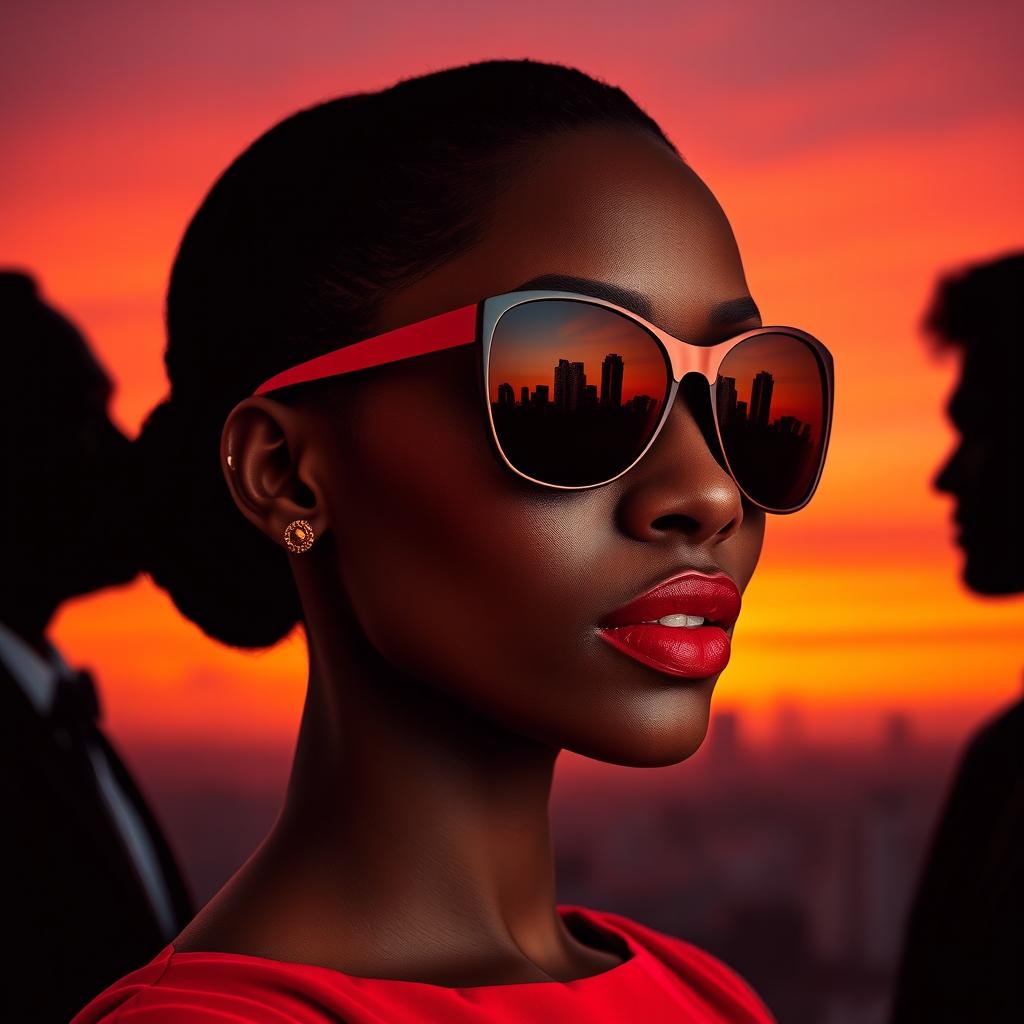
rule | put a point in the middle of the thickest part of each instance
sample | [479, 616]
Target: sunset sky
[531, 338]
[858, 153]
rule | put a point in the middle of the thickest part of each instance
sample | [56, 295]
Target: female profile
[465, 378]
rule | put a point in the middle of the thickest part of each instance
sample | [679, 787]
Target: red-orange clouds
[857, 153]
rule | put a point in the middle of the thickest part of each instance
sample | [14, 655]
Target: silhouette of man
[89, 886]
[963, 957]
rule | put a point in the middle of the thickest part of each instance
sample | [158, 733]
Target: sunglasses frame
[476, 324]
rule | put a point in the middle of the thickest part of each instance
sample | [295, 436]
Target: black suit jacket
[76, 914]
[963, 959]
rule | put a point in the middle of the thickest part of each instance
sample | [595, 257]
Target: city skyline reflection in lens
[771, 413]
[576, 390]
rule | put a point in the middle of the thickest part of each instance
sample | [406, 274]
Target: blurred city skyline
[792, 859]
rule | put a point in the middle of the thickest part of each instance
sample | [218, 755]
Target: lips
[693, 652]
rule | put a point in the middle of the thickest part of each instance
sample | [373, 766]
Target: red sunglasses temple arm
[446, 330]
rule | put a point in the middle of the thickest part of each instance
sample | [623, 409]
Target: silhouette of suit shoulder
[966, 927]
[79, 905]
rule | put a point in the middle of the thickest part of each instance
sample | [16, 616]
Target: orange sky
[524, 351]
[857, 155]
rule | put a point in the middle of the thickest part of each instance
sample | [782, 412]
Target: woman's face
[489, 588]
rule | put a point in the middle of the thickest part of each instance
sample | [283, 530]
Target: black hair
[46, 354]
[292, 252]
[18, 289]
[977, 307]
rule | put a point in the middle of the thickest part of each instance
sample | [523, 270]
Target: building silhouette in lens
[570, 380]
[727, 400]
[570, 424]
[761, 398]
[611, 380]
[572, 393]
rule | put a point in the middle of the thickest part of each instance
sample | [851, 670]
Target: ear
[265, 461]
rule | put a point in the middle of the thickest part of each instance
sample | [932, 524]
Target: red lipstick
[686, 646]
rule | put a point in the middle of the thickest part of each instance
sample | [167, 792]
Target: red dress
[664, 980]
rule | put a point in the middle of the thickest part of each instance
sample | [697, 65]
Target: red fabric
[665, 980]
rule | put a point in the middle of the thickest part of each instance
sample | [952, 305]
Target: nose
[679, 486]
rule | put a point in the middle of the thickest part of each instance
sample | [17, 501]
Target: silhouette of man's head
[69, 526]
[976, 312]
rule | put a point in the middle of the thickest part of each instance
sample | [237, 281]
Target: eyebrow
[731, 311]
[734, 311]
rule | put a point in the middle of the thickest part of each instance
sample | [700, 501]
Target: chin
[664, 729]
[991, 568]
[993, 580]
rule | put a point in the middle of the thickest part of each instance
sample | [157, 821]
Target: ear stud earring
[299, 536]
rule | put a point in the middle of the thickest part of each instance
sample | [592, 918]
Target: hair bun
[217, 567]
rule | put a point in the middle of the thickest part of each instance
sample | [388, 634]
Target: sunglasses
[577, 390]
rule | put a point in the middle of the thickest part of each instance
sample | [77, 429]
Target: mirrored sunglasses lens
[771, 397]
[576, 390]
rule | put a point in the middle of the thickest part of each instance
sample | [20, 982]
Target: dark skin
[452, 606]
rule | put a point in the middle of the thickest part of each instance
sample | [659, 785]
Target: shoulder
[719, 986]
[197, 988]
[990, 765]
[1001, 737]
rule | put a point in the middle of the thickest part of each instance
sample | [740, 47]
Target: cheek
[746, 545]
[979, 471]
[475, 583]
[456, 570]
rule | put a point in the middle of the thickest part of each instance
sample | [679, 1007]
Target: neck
[415, 820]
[404, 785]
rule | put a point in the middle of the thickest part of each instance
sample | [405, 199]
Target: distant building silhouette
[570, 380]
[726, 400]
[641, 404]
[761, 398]
[789, 732]
[896, 734]
[887, 838]
[611, 380]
